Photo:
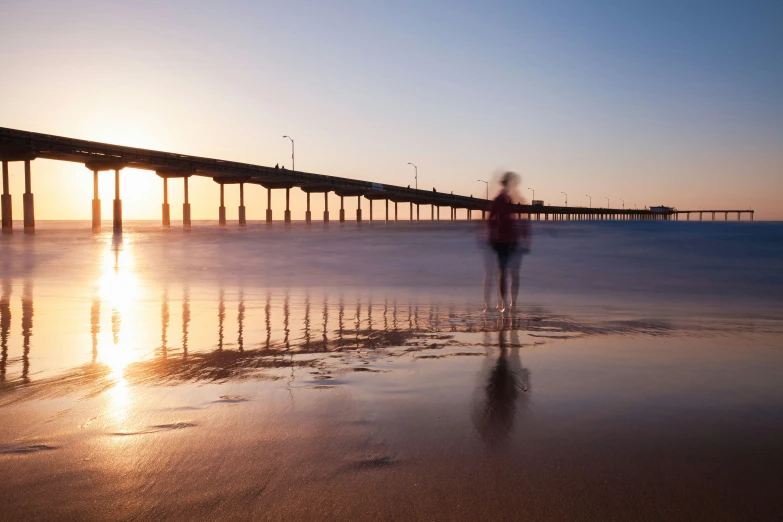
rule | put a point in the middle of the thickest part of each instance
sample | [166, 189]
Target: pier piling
[287, 215]
[186, 206]
[242, 217]
[326, 208]
[268, 206]
[27, 200]
[6, 202]
[222, 207]
[166, 211]
[117, 214]
[96, 203]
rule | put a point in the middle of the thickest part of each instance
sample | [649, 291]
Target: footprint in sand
[231, 399]
[157, 428]
[22, 449]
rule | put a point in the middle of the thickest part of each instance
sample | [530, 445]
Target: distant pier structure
[23, 146]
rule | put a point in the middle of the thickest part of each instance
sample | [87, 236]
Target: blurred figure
[509, 238]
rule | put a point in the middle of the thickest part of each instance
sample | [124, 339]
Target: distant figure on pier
[433, 189]
[282, 168]
[509, 238]
[277, 166]
[409, 186]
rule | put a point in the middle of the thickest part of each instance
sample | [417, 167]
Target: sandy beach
[210, 398]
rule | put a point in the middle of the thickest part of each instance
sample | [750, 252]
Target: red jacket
[504, 227]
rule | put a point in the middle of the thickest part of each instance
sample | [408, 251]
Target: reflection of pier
[22, 146]
[282, 328]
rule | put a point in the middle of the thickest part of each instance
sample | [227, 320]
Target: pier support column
[186, 207]
[269, 206]
[725, 216]
[387, 211]
[359, 210]
[287, 215]
[6, 201]
[326, 208]
[96, 203]
[242, 215]
[370, 211]
[713, 216]
[342, 210]
[483, 217]
[308, 214]
[417, 213]
[395, 211]
[27, 200]
[432, 213]
[222, 207]
[117, 215]
[166, 217]
[417, 209]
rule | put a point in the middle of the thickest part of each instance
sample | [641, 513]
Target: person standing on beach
[509, 238]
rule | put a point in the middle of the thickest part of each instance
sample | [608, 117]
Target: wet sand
[203, 399]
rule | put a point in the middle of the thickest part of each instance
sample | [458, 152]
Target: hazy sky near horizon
[656, 102]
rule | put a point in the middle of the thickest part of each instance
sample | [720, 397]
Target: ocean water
[294, 372]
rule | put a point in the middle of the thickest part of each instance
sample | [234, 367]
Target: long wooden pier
[24, 146]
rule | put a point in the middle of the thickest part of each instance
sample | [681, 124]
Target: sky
[645, 103]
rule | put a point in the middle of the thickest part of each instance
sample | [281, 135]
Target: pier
[24, 146]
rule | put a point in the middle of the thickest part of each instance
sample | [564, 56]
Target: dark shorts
[505, 253]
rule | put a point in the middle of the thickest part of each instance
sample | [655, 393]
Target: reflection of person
[494, 418]
[509, 237]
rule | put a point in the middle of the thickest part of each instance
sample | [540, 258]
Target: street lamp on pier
[566, 195]
[591, 200]
[607, 202]
[621, 199]
[416, 175]
[293, 160]
[487, 184]
[534, 193]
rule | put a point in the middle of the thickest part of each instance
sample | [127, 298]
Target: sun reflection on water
[118, 289]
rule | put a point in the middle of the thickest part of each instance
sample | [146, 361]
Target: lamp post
[566, 195]
[621, 199]
[293, 160]
[607, 202]
[416, 175]
[534, 193]
[487, 184]
[591, 200]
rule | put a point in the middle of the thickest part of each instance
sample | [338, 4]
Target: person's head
[509, 180]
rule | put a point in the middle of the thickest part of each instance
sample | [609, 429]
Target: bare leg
[516, 264]
[489, 277]
[502, 288]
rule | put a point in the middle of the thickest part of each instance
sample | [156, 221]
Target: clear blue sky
[655, 102]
